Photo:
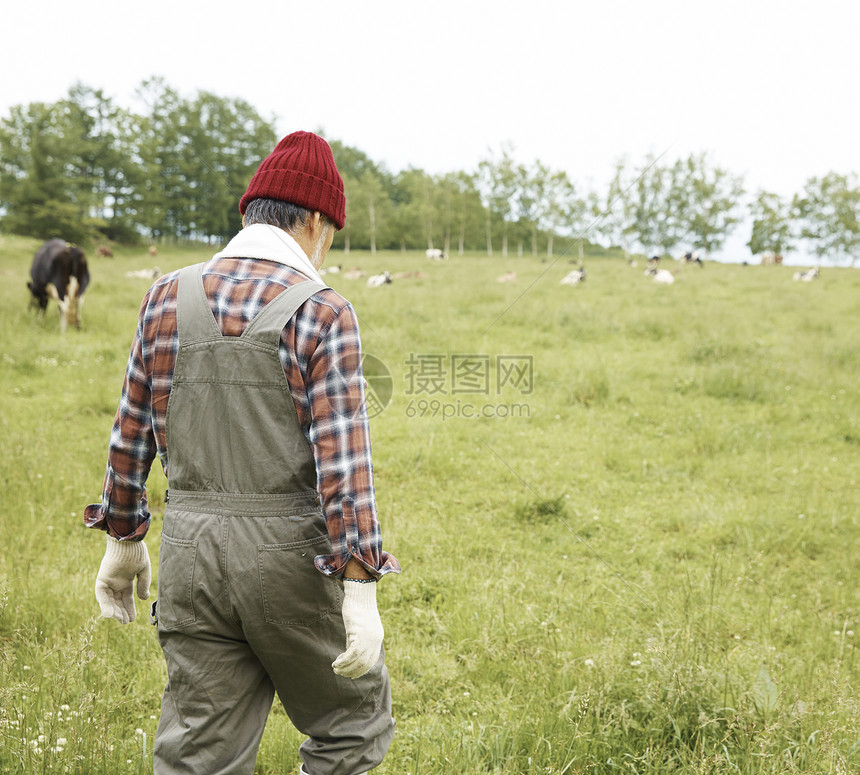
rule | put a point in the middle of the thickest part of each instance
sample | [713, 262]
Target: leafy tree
[418, 208]
[649, 207]
[226, 139]
[613, 213]
[829, 211]
[370, 211]
[468, 217]
[497, 181]
[562, 210]
[163, 198]
[45, 185]
[771, 227]
[531, 201]
[704, 202]
[111, 166]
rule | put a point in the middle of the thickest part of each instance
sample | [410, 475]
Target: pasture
[627, 516]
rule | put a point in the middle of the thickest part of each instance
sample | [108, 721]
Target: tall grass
[651, 569]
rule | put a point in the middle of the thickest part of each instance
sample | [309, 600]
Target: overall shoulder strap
[269, 323]
[194, 318]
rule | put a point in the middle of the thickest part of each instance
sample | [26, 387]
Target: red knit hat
[300, 170]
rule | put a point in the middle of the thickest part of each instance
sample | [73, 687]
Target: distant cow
[60, 272]
[662, 276]
[103, 251]
[435, 254]
[691, 258]
[377, 280]
[808, 276]
[575, 277]
[771, 259]
[144, 274]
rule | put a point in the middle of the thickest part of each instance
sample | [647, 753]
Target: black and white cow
[435, 254]
[808, 276]
[691, 258]
[60, 272]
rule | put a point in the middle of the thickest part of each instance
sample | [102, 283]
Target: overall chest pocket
[294, 592]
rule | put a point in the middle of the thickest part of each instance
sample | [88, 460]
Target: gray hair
[275, 212]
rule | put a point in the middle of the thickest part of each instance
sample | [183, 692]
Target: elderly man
[245, 378]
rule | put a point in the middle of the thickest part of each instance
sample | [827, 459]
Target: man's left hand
[123, 562]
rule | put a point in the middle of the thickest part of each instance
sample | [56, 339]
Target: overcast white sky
[768, 89]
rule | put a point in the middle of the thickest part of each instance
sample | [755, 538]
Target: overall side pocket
[176, 560]
[294, 592]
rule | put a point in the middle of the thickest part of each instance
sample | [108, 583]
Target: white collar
[259, 240]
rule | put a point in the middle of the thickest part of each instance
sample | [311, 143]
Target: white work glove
[123, 561]
[363, 630]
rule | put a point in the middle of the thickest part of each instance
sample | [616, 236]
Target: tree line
[87, 170]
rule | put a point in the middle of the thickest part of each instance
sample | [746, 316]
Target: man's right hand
[123, 562]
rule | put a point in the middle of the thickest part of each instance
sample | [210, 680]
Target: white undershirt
[260, 240]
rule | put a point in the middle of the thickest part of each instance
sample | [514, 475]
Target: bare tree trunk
[534, 241]
[372, 213]
[346, 244]
[462, 241]
[505, 244]
[549, 245]
[489, 236]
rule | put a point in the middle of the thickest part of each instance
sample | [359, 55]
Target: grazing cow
[354, 274]
[808, 276]
[575, 277]
[60, 272]
[771, 259]
[507, 277]
[103, 251]
[331, 269]
[153, 251]
[377, 280]
[435, 254]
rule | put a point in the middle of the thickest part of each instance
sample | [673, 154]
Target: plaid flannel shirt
[320, 350]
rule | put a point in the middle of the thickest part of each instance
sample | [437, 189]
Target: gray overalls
[242, 610]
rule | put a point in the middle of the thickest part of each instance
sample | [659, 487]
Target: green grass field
[635, 553]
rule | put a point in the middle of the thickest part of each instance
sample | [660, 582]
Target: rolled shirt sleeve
[123, 512]
[340, 437]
